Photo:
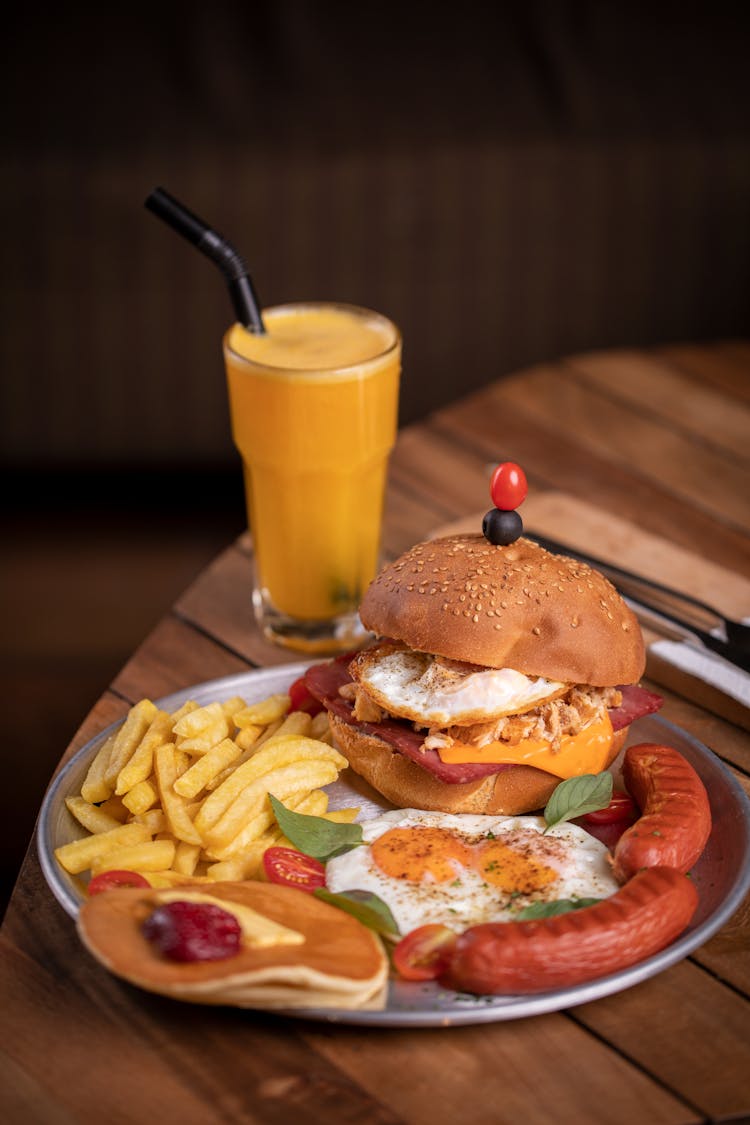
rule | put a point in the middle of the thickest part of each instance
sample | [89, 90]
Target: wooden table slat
[686, 1027]
[724, 365]
[175, 655]
[650, 384]
[498, 1065]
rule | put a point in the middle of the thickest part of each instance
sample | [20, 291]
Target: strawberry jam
[193, 931]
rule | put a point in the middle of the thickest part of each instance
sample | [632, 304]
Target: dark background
[509, 182]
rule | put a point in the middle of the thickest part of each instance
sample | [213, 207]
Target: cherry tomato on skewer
[508, 486]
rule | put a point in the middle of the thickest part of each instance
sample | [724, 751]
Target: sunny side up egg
[415, 686]
[461, 870]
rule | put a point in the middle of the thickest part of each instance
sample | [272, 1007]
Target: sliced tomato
[621, 807]
[109, 880]
[301, 700]
[291, 868]
[425, 952]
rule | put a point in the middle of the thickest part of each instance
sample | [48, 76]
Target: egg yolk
[419, 853]
[437, 855]
[515, 870]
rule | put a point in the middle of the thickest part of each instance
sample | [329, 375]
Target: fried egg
[437, 692]
[460, 870]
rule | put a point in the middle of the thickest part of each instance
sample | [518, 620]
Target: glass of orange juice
[314, 405]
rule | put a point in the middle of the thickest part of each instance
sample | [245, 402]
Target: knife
[650, 600]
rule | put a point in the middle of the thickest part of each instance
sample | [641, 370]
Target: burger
[496, 672]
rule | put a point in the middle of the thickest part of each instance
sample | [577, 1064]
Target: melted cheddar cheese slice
[586, 752]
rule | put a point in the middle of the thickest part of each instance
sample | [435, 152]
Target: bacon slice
[324, 680]
[636, 702]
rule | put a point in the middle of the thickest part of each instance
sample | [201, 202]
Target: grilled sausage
[675, 820]
[644, 916]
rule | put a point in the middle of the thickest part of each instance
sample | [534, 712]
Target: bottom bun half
[511, 792]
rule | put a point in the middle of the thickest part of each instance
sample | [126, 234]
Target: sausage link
[525, 957]
[675, 820]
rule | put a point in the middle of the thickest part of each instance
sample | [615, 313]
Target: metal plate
[722, 875]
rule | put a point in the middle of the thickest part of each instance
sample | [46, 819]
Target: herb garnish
[314, 835]
[577, 796]
[366, 907]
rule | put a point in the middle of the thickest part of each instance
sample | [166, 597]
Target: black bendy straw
[215, 247]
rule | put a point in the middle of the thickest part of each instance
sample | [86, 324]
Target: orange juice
[314, 410]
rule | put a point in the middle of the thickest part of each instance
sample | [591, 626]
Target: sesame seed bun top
[507, 607]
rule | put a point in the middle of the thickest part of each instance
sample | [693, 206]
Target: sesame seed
[536, 630]
[475, 618]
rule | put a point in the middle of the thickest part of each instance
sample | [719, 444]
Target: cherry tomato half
[291, 868]
[425, 952]
[109, 880]
[301, 700]
[621, 807]
[508, 486]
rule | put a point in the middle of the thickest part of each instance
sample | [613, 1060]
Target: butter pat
[258, 932]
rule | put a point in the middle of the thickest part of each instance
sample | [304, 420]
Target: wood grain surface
[641, 456]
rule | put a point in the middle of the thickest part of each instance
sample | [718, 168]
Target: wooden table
[656, 441]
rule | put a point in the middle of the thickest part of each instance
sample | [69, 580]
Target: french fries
[184, 797]
[80, 854]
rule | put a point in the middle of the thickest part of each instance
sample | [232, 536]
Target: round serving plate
[721, 876]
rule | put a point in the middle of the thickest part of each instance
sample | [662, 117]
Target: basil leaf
[322, 839]
[366, 907]
[550, 909]
[578, 795]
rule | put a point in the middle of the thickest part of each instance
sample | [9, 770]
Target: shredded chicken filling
[553, 720]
